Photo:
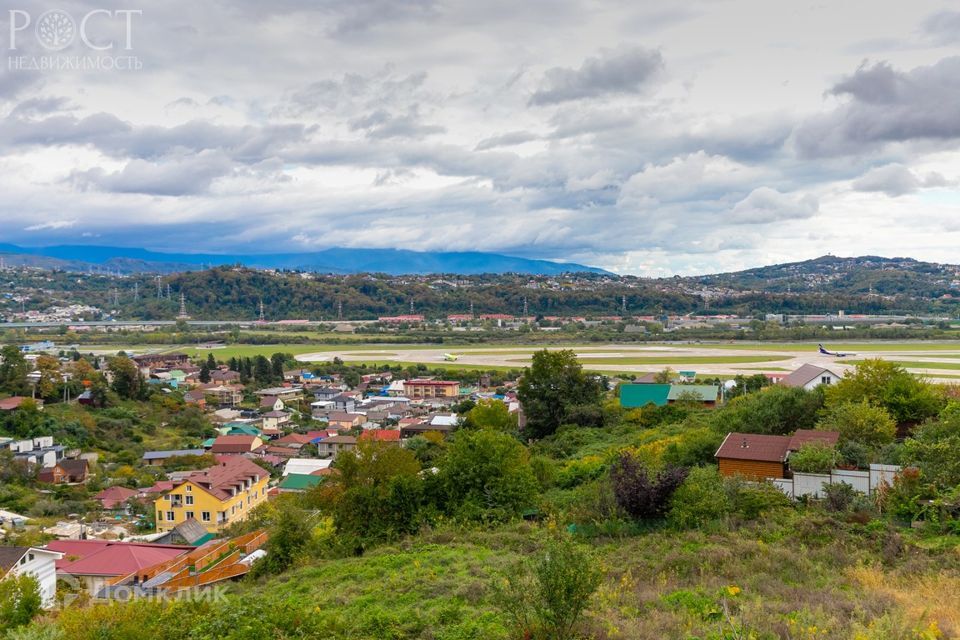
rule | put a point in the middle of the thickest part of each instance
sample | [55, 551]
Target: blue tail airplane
[835, 354]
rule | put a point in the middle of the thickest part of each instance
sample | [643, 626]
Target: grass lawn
[871, 345]
[915, 364]
[674, 360]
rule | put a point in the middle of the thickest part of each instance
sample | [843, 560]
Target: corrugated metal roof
[706, 392]
[633, 396]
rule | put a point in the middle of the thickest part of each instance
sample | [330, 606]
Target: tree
[211, 362]
[860, 422]
[277, 361]
[262, 370]
[814, 457]
[127, 380]
[204, 374]
[551, 387]
[490, 414]
[886, 384]
[665, 376]
[639, 491]
[13, 370]
[289, 533]
[20, 600]
[50, 376]
[486, 475]
[776, 410]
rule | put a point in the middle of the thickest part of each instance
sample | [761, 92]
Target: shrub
[750, 500]
[700, 500]
[814, 457]
[839, 496]
[19, 601]
[641, 493]
[546, 597]
[697, 447]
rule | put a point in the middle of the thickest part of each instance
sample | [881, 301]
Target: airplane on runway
[449, 357]
[835, 354]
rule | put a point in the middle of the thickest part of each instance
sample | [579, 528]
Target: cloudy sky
[650, 137]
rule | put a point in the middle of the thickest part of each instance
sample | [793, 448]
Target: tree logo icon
[56, 29]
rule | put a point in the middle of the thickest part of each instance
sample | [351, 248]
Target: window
[189, 489]
[189, 499]
[824, 379]
[170, 516]
[159, 516]
[30, 556]
[205, 516]
[188, 515]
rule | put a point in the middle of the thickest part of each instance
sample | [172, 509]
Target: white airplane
[835, 354]
[449, 357]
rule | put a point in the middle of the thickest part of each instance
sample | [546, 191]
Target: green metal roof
[300, 482]
[688, 374]
[243, 430]
[706, 392]
[640, 395]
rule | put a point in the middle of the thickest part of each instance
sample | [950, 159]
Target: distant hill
[341, 261]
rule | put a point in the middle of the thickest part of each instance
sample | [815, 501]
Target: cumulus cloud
[896, 180]
[610, 73]
[765, 205]
[884, 105]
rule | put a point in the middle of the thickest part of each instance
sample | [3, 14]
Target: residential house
[305, 466]
[115, 498]
[382, 435]
[40, 451]
[225, 376]
[635, 396]
[422, 389]
[225, 395]
[343, 420]
[65, 472]
[94, 563]
[330, 447]
[231, 445]
[298, 483]
[271, 403]
[40, 563]
[275, 420]
[344, 402]
[810, 376]
[217, 497]
[15, 402]
[157, 458]
[196, 397]
[754, 456]
[286, 394]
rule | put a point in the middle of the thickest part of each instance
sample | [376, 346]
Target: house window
[189, 499]
[824, 379]
[188, 515]
[30, 557]
[205, 516]
[159, 516]
[23, 560]
[189, 489]
[170, 516]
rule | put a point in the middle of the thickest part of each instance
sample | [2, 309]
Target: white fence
[812, 484]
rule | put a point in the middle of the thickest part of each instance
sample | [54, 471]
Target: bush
[19, 601]
[839, 496]
[750, 500]
[641, 493]
[700, 500]
[546, 597]
[861, 422]
[814, 457]
[696, 447]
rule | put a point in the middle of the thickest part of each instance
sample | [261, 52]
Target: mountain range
[127, 260]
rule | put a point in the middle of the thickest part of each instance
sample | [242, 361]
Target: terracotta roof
[803, 436]
[113, 497]
[753, 446]
[230, 472]
[341, 440]
[108, 558]
[234, 444]
[295, 438]
[381, 435]
[11, 403]
[74, 467]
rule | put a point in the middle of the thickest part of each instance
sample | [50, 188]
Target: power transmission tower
[525, 308]
[623, 305]
[262, 317]
[471, 308]
[168, 291]
[183, 308]
[159, 288]
[136, 291]
[339, 309]
[411, 306]
[116, 298]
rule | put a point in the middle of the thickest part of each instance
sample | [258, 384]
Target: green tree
[20, 600]
[204, 374]
[127, 380]
[860, 422]
[262, 370]
[289, 534]
[776, 410]
[486, 475]
[490, 413]
[13, 370]
[551, 388]
[888, 385]
[211, 362]
[814, 457]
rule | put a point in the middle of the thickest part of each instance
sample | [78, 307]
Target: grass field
[917, 364]
[674, 360]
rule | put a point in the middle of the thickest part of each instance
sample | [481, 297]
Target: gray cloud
[943, 26]
[765, 205]
[509, 139]
[886, 106]
[896, 180]
[610, 73]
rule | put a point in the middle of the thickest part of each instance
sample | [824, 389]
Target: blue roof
[633, 396]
